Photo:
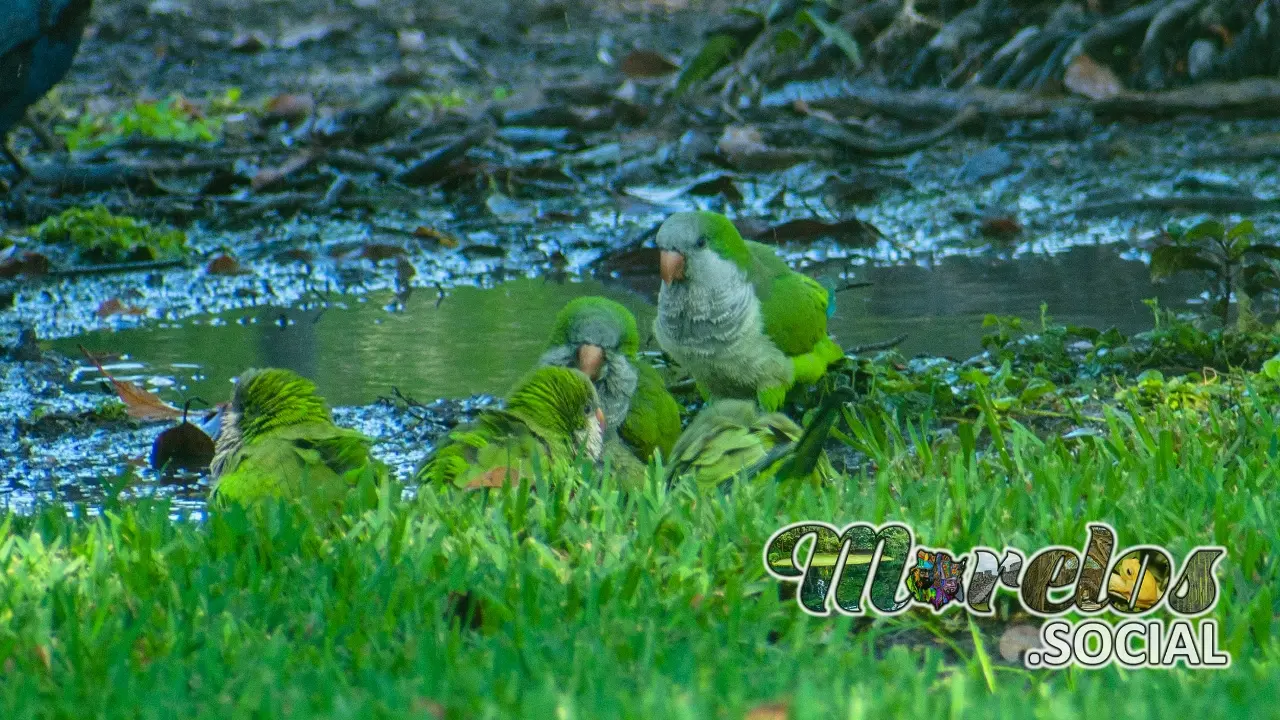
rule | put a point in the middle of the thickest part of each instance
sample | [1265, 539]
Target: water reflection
[482, 340]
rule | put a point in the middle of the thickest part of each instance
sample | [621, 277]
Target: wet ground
[472, 318]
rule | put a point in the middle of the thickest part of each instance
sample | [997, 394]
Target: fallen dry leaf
[182, 447]
[288, 106]
[443, 238]
[1085, 76]
[647, 64]
[113, 306]
[250, 42]
[775, 710]
[31, 264]
[224, 265]
[138, 403]
[377, 252]
[495, 478]
[1000, 227]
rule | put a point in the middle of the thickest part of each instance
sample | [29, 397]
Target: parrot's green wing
[497, 448]
[316, 461]
[653, 420]
[623, 463]
[794, 307]
[727, 437]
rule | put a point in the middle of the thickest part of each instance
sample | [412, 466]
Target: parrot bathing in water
[732, 436]
[598, 336]
[38, 41]
[735, 316]
[552, 414]
[277, 440]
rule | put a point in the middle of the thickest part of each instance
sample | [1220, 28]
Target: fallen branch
[867, 147]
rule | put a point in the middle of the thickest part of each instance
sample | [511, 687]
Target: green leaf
[1271, 368]
[836, 35]
[1169, 259]
[1207, 229]
[787, 41]
[718, 51]
[1244, 228]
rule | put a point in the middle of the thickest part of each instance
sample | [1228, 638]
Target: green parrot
[735, 316]
[553, 413]
[277, 439]
[732, 437]
[598, 336]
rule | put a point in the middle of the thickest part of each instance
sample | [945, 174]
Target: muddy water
[482, 340]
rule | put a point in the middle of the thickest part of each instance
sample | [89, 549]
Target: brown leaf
[289, 107]
[774, 710]
[1085, 76]
[296, 255]
[28, 263]
[378, 252]
[1000, 227]
[42, 654]
[428, 706]
[224, 265]
[810, 229]
[744, 148]
[1017, 639]
[722, 185]
[139, 403]
[443, 238]
[267, 177]
[182, 447]
[647, 64]
[495, 478]
[250, 42]
[113, 306]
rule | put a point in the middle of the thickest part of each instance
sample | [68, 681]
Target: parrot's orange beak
[600, 418]
[671, 266]
[590, 358]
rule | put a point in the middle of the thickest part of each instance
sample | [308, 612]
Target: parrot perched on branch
[598, 336]
[732, 437]
[552, 414]
[38, 41]
[277, 439]
[735, 316]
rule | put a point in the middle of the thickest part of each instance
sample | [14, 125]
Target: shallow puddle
[482, 340]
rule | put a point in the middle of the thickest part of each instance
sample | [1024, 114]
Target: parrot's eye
[702, 242]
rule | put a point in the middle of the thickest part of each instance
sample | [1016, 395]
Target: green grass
[594, 603]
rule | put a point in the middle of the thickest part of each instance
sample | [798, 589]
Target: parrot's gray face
[613, 377]
[682, 244]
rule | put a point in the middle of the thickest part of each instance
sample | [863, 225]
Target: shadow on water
[482, 340]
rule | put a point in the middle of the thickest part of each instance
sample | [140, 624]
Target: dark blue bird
[38, 41]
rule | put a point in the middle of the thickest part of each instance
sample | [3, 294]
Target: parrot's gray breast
[228, 443]
[712, 326]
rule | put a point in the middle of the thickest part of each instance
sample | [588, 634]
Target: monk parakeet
[732, 437]
[598, 336]
[553, 413]
[735, 316]
[277, 439]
